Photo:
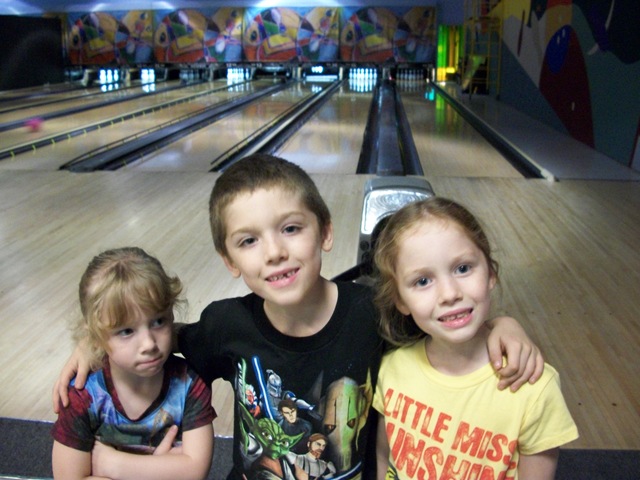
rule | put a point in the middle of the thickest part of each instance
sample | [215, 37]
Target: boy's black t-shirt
[329, 377]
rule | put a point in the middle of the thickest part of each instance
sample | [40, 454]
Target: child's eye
[162, 321]
[247, 242]
[422, 282]
[158, 322]
[462, 269]
[291, 229]
[124, 332]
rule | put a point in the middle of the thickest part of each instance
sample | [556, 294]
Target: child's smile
[456, 319]
[444, 281]
[274, 243]
[283, 278]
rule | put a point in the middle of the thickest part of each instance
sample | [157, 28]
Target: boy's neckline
[340, 319]
[305, 320]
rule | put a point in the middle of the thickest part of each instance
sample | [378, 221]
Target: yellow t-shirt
[442, 426]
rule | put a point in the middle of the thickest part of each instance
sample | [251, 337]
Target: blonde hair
[396, 328]
[117, 285]
[262, 171]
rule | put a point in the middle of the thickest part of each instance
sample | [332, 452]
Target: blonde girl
[140, 393]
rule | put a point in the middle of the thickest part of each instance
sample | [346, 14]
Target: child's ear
[402, 308]
[493, 280]
[327, 237]
[235, 272]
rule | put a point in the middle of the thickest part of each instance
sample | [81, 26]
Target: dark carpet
[25, 452]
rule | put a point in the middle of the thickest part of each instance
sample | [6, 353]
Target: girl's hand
[166, 445]
[524, 359]
[106, 460]
[101, 458]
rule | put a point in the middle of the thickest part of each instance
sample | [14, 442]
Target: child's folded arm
[191, 461]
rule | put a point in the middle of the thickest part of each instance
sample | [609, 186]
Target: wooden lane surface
[21, 104]
[53, 156]
[7, 96]
[196, 151]
[447, 144]
[52, 223]
[330, 142]
[76, 99]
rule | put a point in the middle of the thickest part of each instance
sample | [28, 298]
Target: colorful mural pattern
[105, 38]
[567, 48]
[278, 34]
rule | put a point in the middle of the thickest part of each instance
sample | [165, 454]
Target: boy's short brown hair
[261, 171]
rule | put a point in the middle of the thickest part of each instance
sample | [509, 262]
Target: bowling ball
[34, 124]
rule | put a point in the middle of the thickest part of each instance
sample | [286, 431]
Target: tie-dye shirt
[95, 413]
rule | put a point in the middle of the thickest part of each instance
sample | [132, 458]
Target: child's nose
[449, 290]
[274, 249]
[147, 341]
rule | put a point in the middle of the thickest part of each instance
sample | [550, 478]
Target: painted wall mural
[115, 37]
[193, 36]
[417, 39]
[278, 34]
[324, 34]
[582, 62]
[389, 34]
[368, 35]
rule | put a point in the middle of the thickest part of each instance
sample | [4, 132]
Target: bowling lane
[38, 90]
[57, 154]
[21, 103]
[100, 113]
[448, 145]
[196, 151]
[82, 98]
[330, 142]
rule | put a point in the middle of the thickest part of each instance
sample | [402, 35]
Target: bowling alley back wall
[230, 35]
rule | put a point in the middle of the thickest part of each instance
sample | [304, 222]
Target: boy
[297, 335]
